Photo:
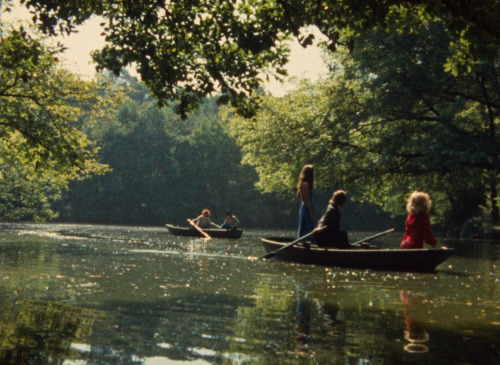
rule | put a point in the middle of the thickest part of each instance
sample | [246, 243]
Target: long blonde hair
[419, 202]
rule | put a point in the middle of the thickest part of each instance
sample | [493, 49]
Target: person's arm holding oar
[202, 232]
[272, 254]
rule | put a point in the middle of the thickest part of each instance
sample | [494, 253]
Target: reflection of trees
[24, 262]
[186, 327]
[41, 332]
[189, 308]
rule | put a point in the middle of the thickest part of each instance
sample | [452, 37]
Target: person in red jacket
[418, 224]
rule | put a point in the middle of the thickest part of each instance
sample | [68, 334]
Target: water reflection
[417, 314]
[303, 322]
[42, 332]
[171, 300]
[335, 326]
[330, 328]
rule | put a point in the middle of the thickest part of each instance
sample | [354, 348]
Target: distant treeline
[165, 170]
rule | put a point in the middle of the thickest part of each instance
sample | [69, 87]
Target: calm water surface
[85, 294]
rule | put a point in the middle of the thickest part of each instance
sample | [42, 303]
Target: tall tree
[390, 120]
[165, 170]
[188, 49]
[43, 144]
[434, 124]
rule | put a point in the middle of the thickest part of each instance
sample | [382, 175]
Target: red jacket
[418, 230]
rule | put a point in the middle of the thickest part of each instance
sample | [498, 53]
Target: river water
[87, 294]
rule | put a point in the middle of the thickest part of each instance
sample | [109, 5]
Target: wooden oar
[272, 254]
[373, 237]
[203, 233]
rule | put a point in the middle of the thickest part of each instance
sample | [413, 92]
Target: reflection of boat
[213, 232]
[363, 258]
[302, 328]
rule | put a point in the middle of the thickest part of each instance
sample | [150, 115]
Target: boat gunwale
[387, 259]
[218, 232]
[357, 250]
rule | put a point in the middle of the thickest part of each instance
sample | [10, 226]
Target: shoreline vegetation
[411, 102]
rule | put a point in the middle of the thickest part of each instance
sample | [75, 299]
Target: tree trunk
[495, 210]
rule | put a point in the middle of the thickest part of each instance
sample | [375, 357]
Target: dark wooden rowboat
[424, 260]
[213, 232]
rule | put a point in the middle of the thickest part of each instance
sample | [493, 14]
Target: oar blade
[203, 233]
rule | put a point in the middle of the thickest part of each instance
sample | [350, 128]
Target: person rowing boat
[203, 221]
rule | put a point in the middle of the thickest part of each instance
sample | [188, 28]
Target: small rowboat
[213, 232]
[424, 260]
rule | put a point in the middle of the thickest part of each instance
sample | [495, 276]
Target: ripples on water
[83, 294]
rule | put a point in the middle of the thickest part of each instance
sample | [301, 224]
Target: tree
[43, 144]
[165, 170]
[435, 125]
[390, 120]
[186, 50]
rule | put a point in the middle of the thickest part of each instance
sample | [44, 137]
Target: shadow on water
[289, 324]
[474, 249]
[186, 328]
[155, 299]
[42, 332]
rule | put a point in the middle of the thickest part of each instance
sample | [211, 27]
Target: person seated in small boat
[418, 224]
[204, 221]
[332, 236]
[231, 222]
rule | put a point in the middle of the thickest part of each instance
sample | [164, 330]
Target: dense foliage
[165, 170]
[389, 120]
[412, 102]
[187, 49]
[42, 143]
[159, 168]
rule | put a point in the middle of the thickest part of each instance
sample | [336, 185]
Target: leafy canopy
[388, 121]
[187, 49]
[42, 140]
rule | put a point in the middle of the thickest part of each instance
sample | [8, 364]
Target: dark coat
[331, 236]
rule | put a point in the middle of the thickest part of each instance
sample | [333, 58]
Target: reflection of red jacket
[418, 230]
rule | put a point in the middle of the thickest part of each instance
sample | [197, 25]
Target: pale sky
[304, 63]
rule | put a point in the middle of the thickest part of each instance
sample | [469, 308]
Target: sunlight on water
[165, 345]
[200, 254]
[54, 235]
[159, 360]
[81, 294]
[82, 347]
[204, 352]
